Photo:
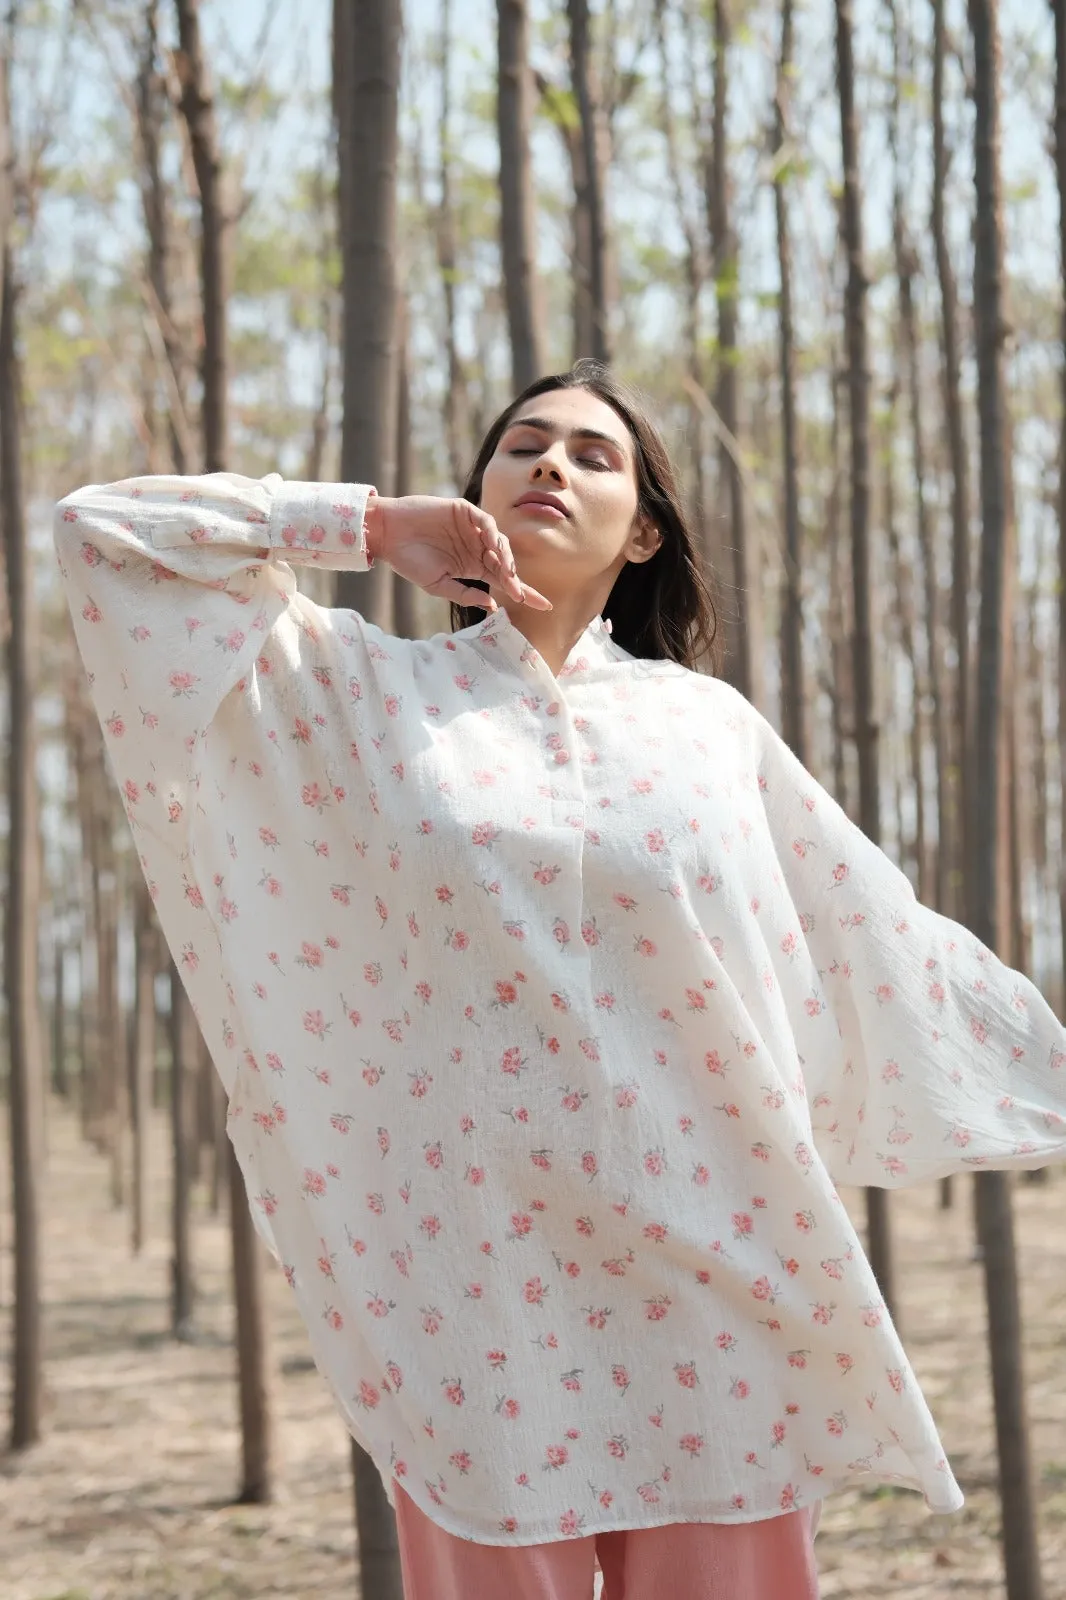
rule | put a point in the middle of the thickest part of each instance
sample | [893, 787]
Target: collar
[497, 635]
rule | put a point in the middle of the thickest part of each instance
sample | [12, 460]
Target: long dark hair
[662, 609]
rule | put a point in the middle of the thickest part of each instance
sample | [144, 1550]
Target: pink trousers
[771, 1560]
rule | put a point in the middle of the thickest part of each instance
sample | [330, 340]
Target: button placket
[564, 779]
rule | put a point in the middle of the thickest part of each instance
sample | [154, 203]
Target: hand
[440, 544]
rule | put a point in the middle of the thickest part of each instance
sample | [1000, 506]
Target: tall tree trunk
[694, 268]
[960, 784]
[253, 1374]
[82, 729]
[455, 406]
[907, 268]
[142, 1055]
[105, 908]
[21, 910]
[366, 80]
[366, 86]
[1059, 7]
[319, 584]
[879, 1240]
[743, 659]
[198, 109]
[151, 104]
[518, 216]
[901, 573]
[993, 1194]
[590, 198]
[220, 1144]
[182, 1054]
[793, 695]
[405, 600]
[60, 1078]
[840, 687]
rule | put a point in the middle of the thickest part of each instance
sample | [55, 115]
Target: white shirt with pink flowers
[551, 1010]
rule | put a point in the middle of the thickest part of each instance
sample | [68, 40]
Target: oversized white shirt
[551, 1010]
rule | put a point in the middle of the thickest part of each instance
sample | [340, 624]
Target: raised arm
[173, 585]
[948, 1059]
[204, 662]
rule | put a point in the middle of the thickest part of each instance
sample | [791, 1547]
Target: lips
[541, 498]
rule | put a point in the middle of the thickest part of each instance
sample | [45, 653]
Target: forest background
[825, 239]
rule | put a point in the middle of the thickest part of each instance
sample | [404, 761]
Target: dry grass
[128, 1496]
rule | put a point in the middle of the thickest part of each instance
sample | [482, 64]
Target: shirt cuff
[321, 522]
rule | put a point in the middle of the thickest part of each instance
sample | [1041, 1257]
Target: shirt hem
[950, 1501]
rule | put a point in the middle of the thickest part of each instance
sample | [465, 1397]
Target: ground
[127, 1498]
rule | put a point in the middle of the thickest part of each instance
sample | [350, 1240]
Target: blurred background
[826, 240]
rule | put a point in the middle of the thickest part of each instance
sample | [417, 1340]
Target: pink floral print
[551, 1011]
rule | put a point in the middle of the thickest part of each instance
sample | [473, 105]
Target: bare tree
[366, 81]
[405, 598]
[112, 1086]
[866, 724]
[959, 785]
[905, 618]
[366, 87]
[151, 106]
[182, 1052]
[743, 660]
[142, 1054]
[695, 253]
[590, 179]
[21, 908]
[793, 695]
[990, 819]
[197, 107]
[935, 892]
[514, 118]
[455, 407]
[838, 682]
[254, 1364]
[958, 781]
[1059, 8]
[60, 1077]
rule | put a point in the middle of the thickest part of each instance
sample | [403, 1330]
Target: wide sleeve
[947, 1059]
[184, 600]
[175, 581]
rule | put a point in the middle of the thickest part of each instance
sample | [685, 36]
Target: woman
[552, 997]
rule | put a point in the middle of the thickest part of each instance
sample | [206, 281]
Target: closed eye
[586, 461]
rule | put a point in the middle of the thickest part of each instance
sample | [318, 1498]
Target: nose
[550, 465]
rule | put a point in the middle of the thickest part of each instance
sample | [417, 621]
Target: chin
[524, 531]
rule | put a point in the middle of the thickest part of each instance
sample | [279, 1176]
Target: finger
[463, 594]
[504, 564]
[483, 521]
[515, 587]
[500, 558]
[485, 530]
[498, 553]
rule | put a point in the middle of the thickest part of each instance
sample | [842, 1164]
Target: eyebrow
[544, 426]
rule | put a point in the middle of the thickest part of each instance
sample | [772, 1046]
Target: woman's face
[562, 485]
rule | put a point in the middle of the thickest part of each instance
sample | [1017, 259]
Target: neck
[554, 633]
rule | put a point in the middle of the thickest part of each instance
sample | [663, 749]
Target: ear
[644, 541]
